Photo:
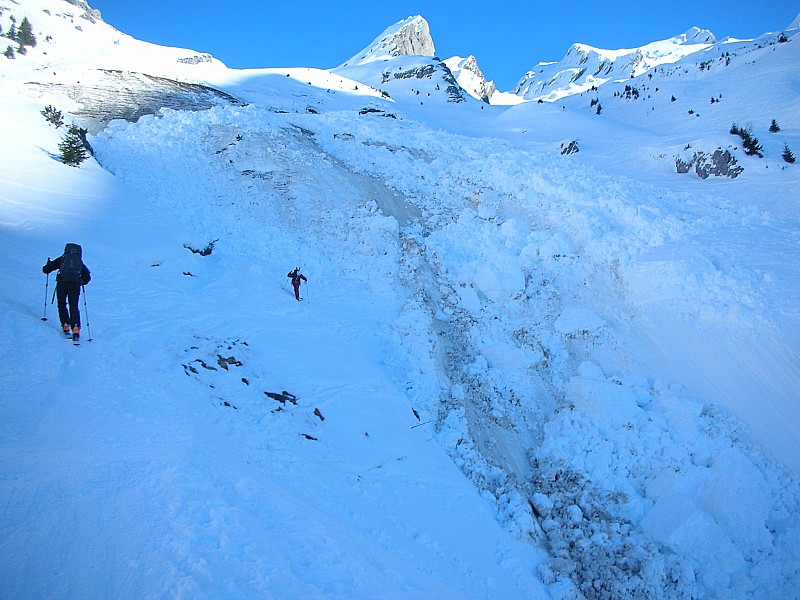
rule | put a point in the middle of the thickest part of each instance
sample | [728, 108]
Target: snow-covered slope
[515, 372]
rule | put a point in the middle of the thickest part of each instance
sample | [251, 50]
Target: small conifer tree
[72, 148]
[774, 127]
[25, 35]
[751, 145]
[788, 155]
[9, 53]
[53, 116]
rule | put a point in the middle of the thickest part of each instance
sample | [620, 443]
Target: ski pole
[46, 285]
[86, 312]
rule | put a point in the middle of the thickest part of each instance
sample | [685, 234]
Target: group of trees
[751, 145]
[22, 34]
[74, 147]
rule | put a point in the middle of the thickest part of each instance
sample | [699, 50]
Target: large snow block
[738, 498]
[609, 406]
[500, 279]
[686, 529]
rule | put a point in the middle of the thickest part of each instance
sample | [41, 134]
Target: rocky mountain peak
[470, 77]
[409, 37]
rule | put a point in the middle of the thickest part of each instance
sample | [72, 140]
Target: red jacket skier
[296, 276]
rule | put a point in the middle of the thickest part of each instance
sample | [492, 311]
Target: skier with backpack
[72, 274]
[297, 277]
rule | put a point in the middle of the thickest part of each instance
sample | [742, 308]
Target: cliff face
[410, 37]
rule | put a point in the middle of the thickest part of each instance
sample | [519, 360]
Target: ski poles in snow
[86, 312]
[46, 285]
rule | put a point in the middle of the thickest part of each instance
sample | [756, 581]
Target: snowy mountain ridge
[515, 372]
[585, 67]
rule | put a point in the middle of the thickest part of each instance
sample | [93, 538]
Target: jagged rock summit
[409, 37]
[470, 77]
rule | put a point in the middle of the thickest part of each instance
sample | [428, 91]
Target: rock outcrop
[469, 76]
[410, 37]
[105, 95]
[721, 163]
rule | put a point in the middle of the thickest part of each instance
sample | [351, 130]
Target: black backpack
[71, 264]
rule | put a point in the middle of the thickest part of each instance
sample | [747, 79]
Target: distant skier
[72, 274]
[297, 277]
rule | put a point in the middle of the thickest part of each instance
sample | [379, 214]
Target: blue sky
[508, 38]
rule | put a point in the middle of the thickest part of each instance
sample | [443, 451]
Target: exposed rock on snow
[109, 95]
[720, 164]
[469, 76]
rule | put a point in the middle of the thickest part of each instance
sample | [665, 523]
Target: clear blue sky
[507, 37]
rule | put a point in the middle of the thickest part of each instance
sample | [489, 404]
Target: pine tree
[25, 34]
[774, 128]
[788, 155]
[9, 53]
[53, 116]
[73, 150]
[750, 143]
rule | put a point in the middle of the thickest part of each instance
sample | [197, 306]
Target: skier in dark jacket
[72, 274]
[297, 277]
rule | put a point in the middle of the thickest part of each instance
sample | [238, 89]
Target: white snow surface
[514, 373]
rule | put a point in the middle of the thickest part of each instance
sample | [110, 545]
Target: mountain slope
[491, 364]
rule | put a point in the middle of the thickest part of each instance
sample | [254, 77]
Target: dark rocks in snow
[570, 148]
[283, 397]
[721, 163]
[428, 71]
[206, 251]
[224, 362]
